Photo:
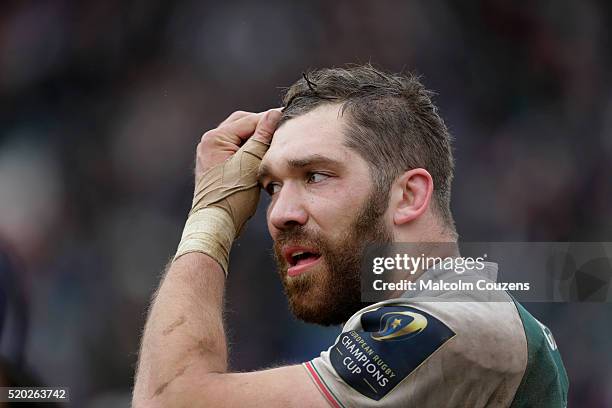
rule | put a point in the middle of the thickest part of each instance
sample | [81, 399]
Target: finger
[235, 116]
[255, 148]
[266, 126]
[243, 127]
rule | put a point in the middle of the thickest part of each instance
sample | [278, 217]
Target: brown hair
[391, 122]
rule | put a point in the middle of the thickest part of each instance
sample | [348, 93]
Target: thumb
[266, 126]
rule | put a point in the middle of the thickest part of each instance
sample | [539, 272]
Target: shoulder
[401, 349]
[488, 335]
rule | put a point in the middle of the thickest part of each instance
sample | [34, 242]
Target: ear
[414, 189]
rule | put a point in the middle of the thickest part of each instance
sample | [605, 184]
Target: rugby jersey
[443, 349]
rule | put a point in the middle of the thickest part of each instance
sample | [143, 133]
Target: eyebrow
[300, 163]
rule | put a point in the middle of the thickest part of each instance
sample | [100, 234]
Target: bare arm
[183, 358]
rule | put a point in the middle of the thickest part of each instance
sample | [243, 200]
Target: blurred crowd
[103, 102]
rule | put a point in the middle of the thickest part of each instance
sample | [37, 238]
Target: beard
[330, 292]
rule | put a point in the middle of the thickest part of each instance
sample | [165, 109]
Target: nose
[287, 209]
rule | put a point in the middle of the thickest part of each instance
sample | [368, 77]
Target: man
[357, 157]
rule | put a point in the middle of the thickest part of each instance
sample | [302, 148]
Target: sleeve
[385, 361]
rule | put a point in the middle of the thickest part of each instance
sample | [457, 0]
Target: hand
[226, 174]
[226, 191]
[218, 144]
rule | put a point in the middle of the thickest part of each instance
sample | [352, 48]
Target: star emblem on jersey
[400, 325]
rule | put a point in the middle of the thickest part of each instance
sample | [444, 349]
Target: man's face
[322, 215]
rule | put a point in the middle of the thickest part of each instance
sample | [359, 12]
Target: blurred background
[103, 102]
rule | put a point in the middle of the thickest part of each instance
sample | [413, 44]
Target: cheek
[336, 212]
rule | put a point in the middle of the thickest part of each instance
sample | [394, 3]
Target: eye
[272, 188]
[316, 177]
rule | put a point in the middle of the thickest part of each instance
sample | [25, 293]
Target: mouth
[300, 259]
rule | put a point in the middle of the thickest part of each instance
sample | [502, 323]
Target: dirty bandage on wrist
[225, 197]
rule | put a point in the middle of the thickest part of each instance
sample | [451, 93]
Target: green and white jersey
[428, 350]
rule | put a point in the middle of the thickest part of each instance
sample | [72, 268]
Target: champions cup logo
[400, 326]
[392, 342]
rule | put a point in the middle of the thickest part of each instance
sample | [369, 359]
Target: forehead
[318, 132]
